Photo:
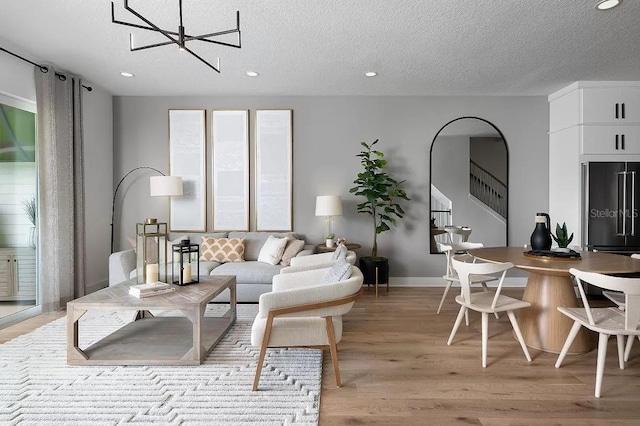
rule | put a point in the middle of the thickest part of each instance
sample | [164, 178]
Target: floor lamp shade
[165, 186]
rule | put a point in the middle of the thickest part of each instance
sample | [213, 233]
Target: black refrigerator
[613, 203]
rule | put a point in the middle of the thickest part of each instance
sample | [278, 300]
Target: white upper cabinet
[611, 105]
[597, 103]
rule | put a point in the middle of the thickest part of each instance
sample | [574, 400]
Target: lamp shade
[166, 186]
[328, 205]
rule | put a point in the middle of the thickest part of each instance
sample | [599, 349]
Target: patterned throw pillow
[271, 251]
[291, 250]
[222, 249]
[340, 252]
[340, 271]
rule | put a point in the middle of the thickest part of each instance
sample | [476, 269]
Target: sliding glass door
[18, 210]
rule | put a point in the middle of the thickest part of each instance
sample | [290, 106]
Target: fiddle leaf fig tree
[381, 192]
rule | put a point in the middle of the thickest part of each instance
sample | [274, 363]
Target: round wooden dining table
[550, 285]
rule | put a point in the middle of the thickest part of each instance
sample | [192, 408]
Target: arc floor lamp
[160, 186]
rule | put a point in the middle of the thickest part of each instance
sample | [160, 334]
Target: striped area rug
[38, 387]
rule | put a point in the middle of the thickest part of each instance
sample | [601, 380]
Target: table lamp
[328, 206]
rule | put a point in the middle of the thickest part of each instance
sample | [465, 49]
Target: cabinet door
[25, 274]
[610, 140]
[6, 282]
[599, 105]
[631, 99]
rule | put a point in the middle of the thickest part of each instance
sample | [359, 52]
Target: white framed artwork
[274, 170]
[230, 170]
[187, 159]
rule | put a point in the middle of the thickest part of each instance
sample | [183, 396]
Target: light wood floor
[397, 370]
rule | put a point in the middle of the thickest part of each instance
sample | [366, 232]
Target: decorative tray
[553, 255]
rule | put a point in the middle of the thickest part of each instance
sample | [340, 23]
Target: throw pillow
[222, 249]
[292, 248]
[340, 252]
[272, 250]
[340, 271]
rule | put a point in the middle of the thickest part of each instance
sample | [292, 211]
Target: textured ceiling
[323, 47]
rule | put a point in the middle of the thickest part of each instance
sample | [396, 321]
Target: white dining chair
[458, 234]
[451, 275]
[485, 302]
[608, 321]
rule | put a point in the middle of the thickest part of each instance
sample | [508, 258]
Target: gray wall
[489, 153]
[327, 135]
[16, 78]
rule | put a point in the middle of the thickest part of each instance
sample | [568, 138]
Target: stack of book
[150, 289]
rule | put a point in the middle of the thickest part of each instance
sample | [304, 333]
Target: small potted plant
[561, 237]
[329, 240]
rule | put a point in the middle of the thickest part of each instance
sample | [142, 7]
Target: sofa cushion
[250, 271]
[272, 249]
[222, 249]
[207, 266]
[292, 248]
[253, 241]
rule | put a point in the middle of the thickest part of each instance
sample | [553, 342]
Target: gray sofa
[253, 278]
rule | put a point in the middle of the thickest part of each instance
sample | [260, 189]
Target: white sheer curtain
[60, 189]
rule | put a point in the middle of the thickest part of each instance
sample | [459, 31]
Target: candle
[152, 273]
[186, 273]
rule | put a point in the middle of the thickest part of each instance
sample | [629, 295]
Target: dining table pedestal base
[543, 327]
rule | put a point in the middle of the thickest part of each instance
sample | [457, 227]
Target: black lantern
[185, 255]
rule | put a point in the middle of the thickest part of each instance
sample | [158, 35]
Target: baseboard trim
[93, 287]
[439, 282]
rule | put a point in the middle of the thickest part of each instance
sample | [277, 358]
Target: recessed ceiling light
[370, 74]
[126, 74]
[607, 4]
[252, 74]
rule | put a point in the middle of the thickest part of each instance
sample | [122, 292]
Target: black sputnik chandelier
[180, 38]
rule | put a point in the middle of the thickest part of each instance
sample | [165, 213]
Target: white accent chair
[451, 276]
[304, 311]
[486, 302]
[605, 321]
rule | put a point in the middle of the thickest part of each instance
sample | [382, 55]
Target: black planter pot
[368, 266]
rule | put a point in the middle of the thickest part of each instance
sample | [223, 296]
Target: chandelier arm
[129, 24]
[148, 22]
[218, 33]
[237, 46]
[203, 61]
[166, 43]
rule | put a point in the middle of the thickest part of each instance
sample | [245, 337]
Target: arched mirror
[469, 173]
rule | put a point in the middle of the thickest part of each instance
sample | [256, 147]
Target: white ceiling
[323, 47]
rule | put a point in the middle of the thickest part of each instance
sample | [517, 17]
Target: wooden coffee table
[151, 340]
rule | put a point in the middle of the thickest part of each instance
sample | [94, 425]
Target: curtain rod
[42, 67]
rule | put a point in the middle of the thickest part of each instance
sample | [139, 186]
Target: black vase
[541, 238]
[368, 266]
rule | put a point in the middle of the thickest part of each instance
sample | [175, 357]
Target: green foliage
[561, 236]
[381, 192]
[331, 236]
[31, 209]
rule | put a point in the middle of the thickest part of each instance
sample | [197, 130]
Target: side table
[322, 248]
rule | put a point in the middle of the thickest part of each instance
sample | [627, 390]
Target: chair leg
[333, 349]
[461, 313]
[485, 338]
[567, 344]
[466, 317]
[263, 351]
[627, 350]
[444, 296]
[602, 355]
[516, 328]
[620, 341]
